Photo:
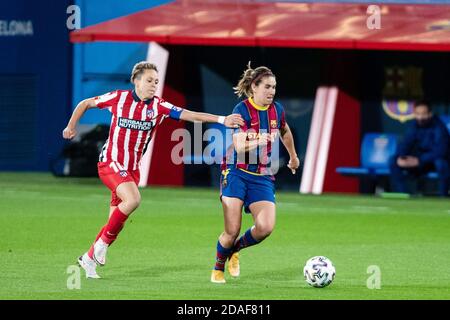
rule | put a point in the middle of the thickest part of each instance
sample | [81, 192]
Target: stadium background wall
[43, 76]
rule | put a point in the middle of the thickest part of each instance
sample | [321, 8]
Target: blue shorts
[235, 183]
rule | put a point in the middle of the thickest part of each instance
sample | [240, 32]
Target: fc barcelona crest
[403, 83]
[402, 86]
[273, 124]
[400, 110]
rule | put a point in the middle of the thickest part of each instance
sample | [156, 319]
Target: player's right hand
[69, 133]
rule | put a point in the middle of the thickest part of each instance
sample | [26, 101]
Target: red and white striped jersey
[133, 125]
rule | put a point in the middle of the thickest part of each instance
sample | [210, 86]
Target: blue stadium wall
[207, 74]
[35, 82]
[105, 66]
[43, 76]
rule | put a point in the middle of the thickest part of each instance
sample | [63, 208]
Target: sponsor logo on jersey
[135, 124]
[257, 135]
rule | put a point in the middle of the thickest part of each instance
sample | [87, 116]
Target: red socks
[114, 226]
[111, 230]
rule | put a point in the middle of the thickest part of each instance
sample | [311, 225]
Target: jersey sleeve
[283, 120]
[238, 110]
[107, 100]
[169, 110]
[282, 114]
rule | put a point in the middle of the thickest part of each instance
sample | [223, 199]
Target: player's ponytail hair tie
[250, 76]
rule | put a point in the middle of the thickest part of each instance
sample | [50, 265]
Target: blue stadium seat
[376, 149]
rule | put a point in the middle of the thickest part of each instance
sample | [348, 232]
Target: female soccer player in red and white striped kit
[135, 115]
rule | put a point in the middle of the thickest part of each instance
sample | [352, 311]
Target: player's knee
[136, 201]
[229, 236]
[232, 234]
[133, 202]
[264, 229]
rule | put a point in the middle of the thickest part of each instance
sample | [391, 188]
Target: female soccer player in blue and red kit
[135, 115]
[247, 179]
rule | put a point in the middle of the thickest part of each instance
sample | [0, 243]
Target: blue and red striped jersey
[258, 120]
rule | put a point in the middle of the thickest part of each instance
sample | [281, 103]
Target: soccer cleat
[89, 266]
[217, 276]
[233, 265]
[100, 248]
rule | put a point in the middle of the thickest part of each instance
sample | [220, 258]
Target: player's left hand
[234, 121]
[293, 164]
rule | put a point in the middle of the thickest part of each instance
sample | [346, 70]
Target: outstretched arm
[242, 145]
[69, 132]
[232, 120]
[288, 141]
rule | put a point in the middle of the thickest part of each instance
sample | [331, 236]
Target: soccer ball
[319, 271]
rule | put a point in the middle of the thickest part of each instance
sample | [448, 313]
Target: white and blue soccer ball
[319, 271]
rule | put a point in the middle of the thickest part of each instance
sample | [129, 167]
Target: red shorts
[112, 175]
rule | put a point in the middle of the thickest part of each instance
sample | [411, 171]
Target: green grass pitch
[167, 248]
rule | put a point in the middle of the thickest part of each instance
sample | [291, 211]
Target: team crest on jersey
[150, 113]
[123, 173]
[273, 124]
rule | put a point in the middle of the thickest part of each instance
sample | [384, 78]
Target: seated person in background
[425, 148]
